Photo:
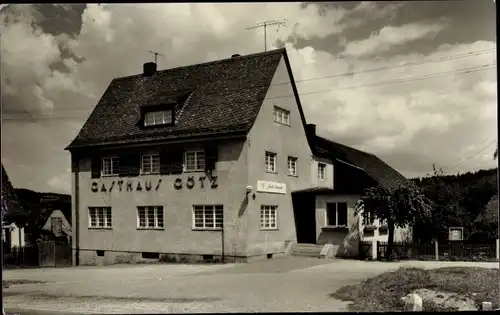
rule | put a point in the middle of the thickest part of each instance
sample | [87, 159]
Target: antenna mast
[265, 24]
[156, 54]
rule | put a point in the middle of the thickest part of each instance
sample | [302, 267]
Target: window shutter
[171, 160]
[95, 166]
[134, 164]
[177, 160]
[130, 164]
[210, 157]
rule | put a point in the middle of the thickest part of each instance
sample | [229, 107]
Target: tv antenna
[156, 54]
[265, 24]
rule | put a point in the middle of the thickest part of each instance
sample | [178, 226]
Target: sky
[412, 82]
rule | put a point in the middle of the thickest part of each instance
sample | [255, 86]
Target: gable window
[110, 166]
[159, 117]
[336, 214]
[292, 166]
[207, 217]
[194, 161]
[150, 164]
[150, 217]
[268, 217]
[270, 162]
[56, 226]
[322, 171]
[367, 220]
[100, 217]
[281, 116]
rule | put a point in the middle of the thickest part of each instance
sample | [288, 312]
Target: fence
[450, 250]
[21, 256]
[44, 254]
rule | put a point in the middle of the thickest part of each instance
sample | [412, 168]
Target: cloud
[61, 183]
[390, 36]
[411, 125]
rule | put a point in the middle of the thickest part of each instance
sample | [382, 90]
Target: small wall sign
[271, 187]
[456, 233]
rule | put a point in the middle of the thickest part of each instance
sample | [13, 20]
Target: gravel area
[278, 285]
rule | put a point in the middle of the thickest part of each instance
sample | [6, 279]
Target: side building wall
[285, 141]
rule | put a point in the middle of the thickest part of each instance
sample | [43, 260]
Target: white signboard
[271, 187]
[456, 233]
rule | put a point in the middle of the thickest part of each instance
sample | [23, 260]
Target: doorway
[304, 210]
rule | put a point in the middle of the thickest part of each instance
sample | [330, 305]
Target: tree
[398, 206]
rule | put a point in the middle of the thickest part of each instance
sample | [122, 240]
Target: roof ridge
[338, 143]
[270, 52]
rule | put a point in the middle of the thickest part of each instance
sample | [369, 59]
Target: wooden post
[436, 249]
[374, 249]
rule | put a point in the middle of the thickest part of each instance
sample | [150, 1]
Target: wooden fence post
[436, 249]
[374, 249]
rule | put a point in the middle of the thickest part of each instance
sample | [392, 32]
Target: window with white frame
[150, 163]
[322, 171]
[158, 117]
[281, 116]
[207, 217]
[150, 217]
[268, 217]
[100, 217]
[367, 219]
[194, 161]
[270, 162]
[336, 214]
[110, 166]
[292, 166]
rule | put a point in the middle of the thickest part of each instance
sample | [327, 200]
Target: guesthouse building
[213, 160]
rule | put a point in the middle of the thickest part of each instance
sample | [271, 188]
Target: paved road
[278, 285]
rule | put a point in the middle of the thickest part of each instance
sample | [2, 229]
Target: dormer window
[159, 117]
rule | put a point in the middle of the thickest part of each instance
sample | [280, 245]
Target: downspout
[76, 219]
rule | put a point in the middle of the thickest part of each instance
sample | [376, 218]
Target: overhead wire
[373, 84]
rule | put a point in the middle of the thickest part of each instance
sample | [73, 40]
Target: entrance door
[304, 209]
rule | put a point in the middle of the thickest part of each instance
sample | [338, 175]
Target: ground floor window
[207, 217]
[150, 217]
[268, 217]
[100, 217]
[336, 214]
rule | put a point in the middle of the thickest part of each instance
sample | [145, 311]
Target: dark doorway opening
[304, 210]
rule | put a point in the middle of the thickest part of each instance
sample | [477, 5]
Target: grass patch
[384, 292]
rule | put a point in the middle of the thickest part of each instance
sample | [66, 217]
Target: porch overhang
[314, 191]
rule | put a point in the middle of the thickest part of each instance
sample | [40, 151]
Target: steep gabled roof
[212, 98]
[10, 203]
[374, 167]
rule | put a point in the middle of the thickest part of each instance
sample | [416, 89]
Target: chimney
[311, 129]
[235, 55]
[149, 68]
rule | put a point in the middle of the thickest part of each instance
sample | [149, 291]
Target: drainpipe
[76, 219]
[222, 237]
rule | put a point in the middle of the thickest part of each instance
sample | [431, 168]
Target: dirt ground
[278, 285]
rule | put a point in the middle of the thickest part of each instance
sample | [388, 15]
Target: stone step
[306, 250]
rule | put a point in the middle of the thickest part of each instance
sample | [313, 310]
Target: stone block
[413, 303]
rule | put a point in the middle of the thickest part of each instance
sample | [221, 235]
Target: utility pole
[156, 54]
[265, 24]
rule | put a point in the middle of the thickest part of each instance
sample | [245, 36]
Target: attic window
[160, 117]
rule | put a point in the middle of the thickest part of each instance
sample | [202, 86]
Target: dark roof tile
[374, 167]
[10, 203]
[226, 96]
